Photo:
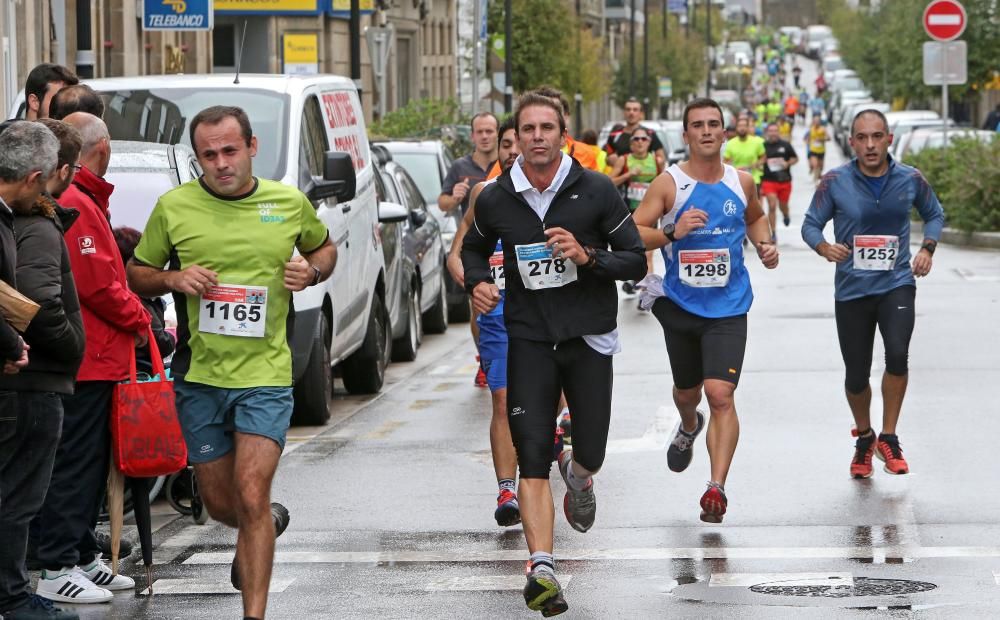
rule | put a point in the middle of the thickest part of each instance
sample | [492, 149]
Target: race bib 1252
[875, 252]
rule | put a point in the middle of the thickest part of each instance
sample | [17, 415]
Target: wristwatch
[319, 274]
[668, 232]
[930, 246]
[591, 256]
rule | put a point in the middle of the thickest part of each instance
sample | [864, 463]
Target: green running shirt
[247, 241]
[744, 153]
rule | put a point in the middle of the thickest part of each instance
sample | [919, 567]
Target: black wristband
[319, 274]
[930, 246]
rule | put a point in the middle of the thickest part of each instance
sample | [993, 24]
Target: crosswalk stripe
[650, 553]
[745, 580]
[208, 586]
[485, 583]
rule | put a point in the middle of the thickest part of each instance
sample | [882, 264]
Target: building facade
[105, 38]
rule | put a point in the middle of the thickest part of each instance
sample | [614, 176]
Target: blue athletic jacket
[847, 198]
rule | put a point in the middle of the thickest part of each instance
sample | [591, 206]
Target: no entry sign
[944, 20]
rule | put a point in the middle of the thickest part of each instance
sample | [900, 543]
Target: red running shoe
[508, 512]
[864, 448]
[888, 450]
[713, 503]
[480, 376]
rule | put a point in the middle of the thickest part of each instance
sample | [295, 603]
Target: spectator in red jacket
[114, 320]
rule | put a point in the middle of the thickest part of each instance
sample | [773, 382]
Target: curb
[952, 236]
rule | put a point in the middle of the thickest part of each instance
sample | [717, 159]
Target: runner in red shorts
[776, 185]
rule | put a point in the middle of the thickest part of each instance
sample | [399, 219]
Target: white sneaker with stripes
[100, 573]
[70, 585]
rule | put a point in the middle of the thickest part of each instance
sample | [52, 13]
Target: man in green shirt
[227, 241]
[746, 151]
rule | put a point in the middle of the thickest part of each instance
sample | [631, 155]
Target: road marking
[654, 439]
[383, 431]
[422, 404]
[745, 580]
[208, 586]
[598, 555]
[485, 583]
[996, 577]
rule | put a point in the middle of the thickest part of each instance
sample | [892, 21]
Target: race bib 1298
[704, 268]
[875, 252]
[540, 269]
[233, 310]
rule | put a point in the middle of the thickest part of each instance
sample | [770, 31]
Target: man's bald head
[96, 152]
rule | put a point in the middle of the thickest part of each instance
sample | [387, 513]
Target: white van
[306, 127]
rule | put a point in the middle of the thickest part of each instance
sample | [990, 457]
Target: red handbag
[146, 437]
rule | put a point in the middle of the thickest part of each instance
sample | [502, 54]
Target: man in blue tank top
[706, 209]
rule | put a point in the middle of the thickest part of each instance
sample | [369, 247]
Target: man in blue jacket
[869, 200]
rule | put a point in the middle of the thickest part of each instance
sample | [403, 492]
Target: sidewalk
[953, 236]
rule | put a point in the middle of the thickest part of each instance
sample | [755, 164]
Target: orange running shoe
[713, 503]
[888, 450]
[480, 375]
[864, 447]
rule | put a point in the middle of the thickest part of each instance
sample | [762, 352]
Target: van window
[313, 140]
[162, 115]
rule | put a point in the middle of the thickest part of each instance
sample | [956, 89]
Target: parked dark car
[417, 237]
[428, 162]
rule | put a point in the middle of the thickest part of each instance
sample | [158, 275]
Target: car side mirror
[418, 218]
[339, 179]
[391, 212]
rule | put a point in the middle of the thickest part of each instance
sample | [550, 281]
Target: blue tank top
[705, 274]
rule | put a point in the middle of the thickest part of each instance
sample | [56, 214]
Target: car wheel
[436, 319]
[404, 348]
[364, 371]
[314, 388]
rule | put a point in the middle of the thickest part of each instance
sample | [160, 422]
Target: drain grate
[863, 586]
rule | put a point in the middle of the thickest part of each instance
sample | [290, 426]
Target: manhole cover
[862, 586]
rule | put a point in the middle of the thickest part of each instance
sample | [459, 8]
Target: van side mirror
[339, 179]
[392, 212]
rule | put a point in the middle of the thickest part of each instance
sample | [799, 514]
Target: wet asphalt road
[392, 504]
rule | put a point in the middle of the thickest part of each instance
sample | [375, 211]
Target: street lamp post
[508, 86]
[631, 36]
[578, 112]
[708, 44]
[645, 57]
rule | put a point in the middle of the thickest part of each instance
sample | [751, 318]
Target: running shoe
[864, 447]
[888, 450]
[38, 608]
[281, 518]
[580, 507]
[788, 221]
[70, 585]
[508, 512]
[102, 575]
[566, 424]
[713, 503]
[543, 592]
[681, 449]
[480, 380]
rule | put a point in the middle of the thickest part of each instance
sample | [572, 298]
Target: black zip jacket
[588, 206]
[44, 276]
[10, 340]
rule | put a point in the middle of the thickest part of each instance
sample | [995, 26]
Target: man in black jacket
[32, 395]
[556, 221]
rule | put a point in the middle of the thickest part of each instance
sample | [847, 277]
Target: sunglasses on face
[640, 139]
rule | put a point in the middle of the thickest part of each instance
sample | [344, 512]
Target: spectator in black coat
[33, 158]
